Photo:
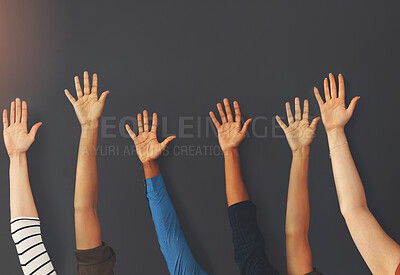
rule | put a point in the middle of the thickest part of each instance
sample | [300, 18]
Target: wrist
[151, 168]
[231, 152]
[304, 150]
[89, 130]
[335, 131]
[149, 163]
[91, 124]
[336, 137]
[17, 155]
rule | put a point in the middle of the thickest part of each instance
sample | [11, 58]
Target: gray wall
[180, 58]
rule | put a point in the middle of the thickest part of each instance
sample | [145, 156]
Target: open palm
[230, 132]
[299, 133]
[147, 146]
[88, 107]
[334, 113]
[17, 139]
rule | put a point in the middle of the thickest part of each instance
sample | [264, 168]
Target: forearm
[171, 238]
[86, 188]
[299, 259]
[25, 224]
[21, 199]
[248, 242]
[380, 252]
[32, 254]
[347, 180]
[298, 206]
[87, 226]
[236, 190]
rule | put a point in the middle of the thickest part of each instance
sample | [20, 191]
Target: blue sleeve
[248, 241]
[173, 245]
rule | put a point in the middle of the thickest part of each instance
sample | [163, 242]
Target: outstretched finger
[24, 118]
[94, 84]
[12, 113]
[341, 87]
[221, 113]
[86, 84]
[280, 122]
[305, 110]
[333, 86]
[166, 141]
[154, 123]
[18, 112]
[314, 123]
[238, 114]
[130, 132]
[318, 97]
[228, 110]
[140, 123]
[78, 87]
[34, 130]
[326, 90]
[215, 120]
[103, 96]
[5, 119]
[245, 126]
[297, 109]
[146, 121]
[289, 113]
[352, 105]
[69, 96]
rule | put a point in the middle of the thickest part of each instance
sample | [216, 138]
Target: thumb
[314, 123]
[34, 130]
[352, 105]
[246, 124]
[166, 141]
[103, 96]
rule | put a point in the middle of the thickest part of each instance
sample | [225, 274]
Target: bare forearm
[347, 180]
[22, 203]
[371, 240]
[87, 225]
[86, 188]
[298, 251]
[298, 206]
[235, 188]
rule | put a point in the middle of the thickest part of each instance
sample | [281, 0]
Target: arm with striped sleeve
[30, 248]
[25, 223]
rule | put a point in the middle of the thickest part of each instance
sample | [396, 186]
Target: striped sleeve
[31, 251]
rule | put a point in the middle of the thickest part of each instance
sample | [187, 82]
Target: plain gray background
[179, 58]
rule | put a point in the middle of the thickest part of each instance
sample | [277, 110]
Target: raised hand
[334, 113]
[16, 136]
[299, 133]
[230, 133]
[147, 146]
[88, 107]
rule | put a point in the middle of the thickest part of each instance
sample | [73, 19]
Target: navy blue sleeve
[248, 241]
